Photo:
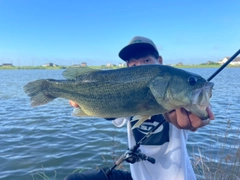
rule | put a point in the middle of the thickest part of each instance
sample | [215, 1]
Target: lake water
[48, 140]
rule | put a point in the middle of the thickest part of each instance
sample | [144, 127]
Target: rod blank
[224, 65]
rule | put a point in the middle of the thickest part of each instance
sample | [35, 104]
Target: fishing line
[134, 154]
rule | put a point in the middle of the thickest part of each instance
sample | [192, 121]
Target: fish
[139, 91]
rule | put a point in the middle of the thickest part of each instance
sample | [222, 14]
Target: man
[168, 143]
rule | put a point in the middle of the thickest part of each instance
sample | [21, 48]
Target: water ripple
[48, 139]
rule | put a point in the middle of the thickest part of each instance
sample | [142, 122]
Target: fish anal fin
[140, 119]
[78, 112]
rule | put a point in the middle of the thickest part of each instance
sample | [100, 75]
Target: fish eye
[192, 80]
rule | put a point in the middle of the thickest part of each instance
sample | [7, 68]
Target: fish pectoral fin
[73, 73]
[140, 120]
[78, 112]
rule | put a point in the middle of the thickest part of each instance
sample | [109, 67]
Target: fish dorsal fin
[73, 73]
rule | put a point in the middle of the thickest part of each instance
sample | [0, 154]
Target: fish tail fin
[35, 90]
[140, 119]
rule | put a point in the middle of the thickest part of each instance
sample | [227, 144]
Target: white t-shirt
[167, 146]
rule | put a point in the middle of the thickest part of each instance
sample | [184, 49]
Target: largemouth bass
[140, 91]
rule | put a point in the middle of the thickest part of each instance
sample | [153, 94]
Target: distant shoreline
[115, 67]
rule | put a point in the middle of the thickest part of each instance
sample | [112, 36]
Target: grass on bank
[224, 164]
[40, 175]
[104, 67]
[31, 67]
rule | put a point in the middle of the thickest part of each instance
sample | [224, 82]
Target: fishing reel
[132, 156]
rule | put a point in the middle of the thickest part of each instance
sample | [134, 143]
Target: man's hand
[73, 104]
[183, 119]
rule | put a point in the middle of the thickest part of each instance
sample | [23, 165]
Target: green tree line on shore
[209, 65]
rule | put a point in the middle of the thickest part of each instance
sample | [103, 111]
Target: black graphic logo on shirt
[160, 135]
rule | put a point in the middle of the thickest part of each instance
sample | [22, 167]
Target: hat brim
[127, 51]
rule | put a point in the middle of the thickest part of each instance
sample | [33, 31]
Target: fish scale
[136, 91]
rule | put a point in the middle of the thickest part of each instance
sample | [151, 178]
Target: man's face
[144, 61]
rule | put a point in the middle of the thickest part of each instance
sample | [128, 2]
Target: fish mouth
[199, 110]
[200, 101]
[202, 95]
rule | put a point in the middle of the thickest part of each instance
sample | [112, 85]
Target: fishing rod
[224, 65]
[134, 154]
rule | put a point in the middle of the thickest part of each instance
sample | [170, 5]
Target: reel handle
[150, 159]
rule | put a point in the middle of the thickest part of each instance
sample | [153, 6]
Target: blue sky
[66, 32]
